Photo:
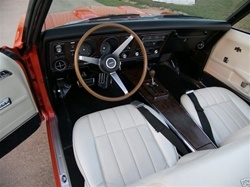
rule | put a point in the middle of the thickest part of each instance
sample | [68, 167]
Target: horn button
[109, 63]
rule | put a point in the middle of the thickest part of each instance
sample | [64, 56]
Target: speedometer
[105, 47]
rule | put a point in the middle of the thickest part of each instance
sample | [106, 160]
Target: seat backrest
[225, 111]
[227, 165]
[116, 147]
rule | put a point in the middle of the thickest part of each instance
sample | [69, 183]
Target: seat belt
[203, 119]
[160, 127]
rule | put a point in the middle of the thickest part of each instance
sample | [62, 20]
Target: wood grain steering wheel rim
[143, 52]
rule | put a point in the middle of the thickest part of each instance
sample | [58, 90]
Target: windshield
[214, 9]
[211, 9]
[69, 11]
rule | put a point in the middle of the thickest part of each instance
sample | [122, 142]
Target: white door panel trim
[16, 88]
[235, 47]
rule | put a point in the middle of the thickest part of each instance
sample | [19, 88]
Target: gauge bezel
[88, 51]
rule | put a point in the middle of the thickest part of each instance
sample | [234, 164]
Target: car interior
[131, 98]
[177, 49]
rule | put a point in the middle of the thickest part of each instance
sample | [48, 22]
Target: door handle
[4, 103]
[244, 84]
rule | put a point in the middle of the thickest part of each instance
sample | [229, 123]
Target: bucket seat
[118, 147]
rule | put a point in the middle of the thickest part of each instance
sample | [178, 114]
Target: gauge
[85, 49]
[105, 47]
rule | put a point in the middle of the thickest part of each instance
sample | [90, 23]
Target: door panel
[230, 61]
[17, 106]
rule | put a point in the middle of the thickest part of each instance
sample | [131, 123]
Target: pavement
[29, 164]
[10, 12]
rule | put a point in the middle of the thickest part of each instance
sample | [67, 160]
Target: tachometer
[105, 47]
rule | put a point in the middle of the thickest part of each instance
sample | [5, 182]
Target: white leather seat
[225, 111]
[226, 166]
[118, 147]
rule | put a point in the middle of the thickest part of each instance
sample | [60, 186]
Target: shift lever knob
[152, 75]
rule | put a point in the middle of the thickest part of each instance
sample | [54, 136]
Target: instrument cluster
[62, 52]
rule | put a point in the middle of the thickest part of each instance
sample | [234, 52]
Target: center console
[175, 116]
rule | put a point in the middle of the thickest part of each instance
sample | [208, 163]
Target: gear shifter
[157, 91]
[152, 75]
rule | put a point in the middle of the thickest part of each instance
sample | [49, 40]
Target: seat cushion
[226, 166]
[116, 147]
[225, 111]
[237, 135]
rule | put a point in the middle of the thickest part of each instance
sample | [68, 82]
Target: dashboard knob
[58, 48]
[124, 55]
[156, 51]
[137, 53]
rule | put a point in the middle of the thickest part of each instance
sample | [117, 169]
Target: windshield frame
[239, 14]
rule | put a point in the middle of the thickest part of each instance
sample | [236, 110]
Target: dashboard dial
[105, 47]
[86, 49]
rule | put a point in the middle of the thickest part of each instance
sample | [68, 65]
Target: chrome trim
[60, 159]
[119, 82]
[176, 131]
[138, 104]
[5, 74]
[5, 102]
[118, 51]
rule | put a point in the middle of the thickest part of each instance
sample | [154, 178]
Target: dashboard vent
[60, 65]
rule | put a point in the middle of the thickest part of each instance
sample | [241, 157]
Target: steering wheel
[110, 63]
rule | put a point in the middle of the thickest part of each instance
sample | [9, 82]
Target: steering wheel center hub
[109, 63]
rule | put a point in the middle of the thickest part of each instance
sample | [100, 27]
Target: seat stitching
[228, 103]
[127, 141]
[235, 122]
[98, 136]
[112, 147]
[213, 95]
[220, 118]
[200, 95]
[159, 146]
[145, 142]
[91, 127]
[239, 111]
[217, 102]
[214, 130]
[238, 114]
[222, 95]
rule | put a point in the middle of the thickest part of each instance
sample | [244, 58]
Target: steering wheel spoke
[118, 51]
[89, 60]
[119, 82]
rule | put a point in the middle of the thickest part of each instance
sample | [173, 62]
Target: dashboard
[62, 51]
[162, 38]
